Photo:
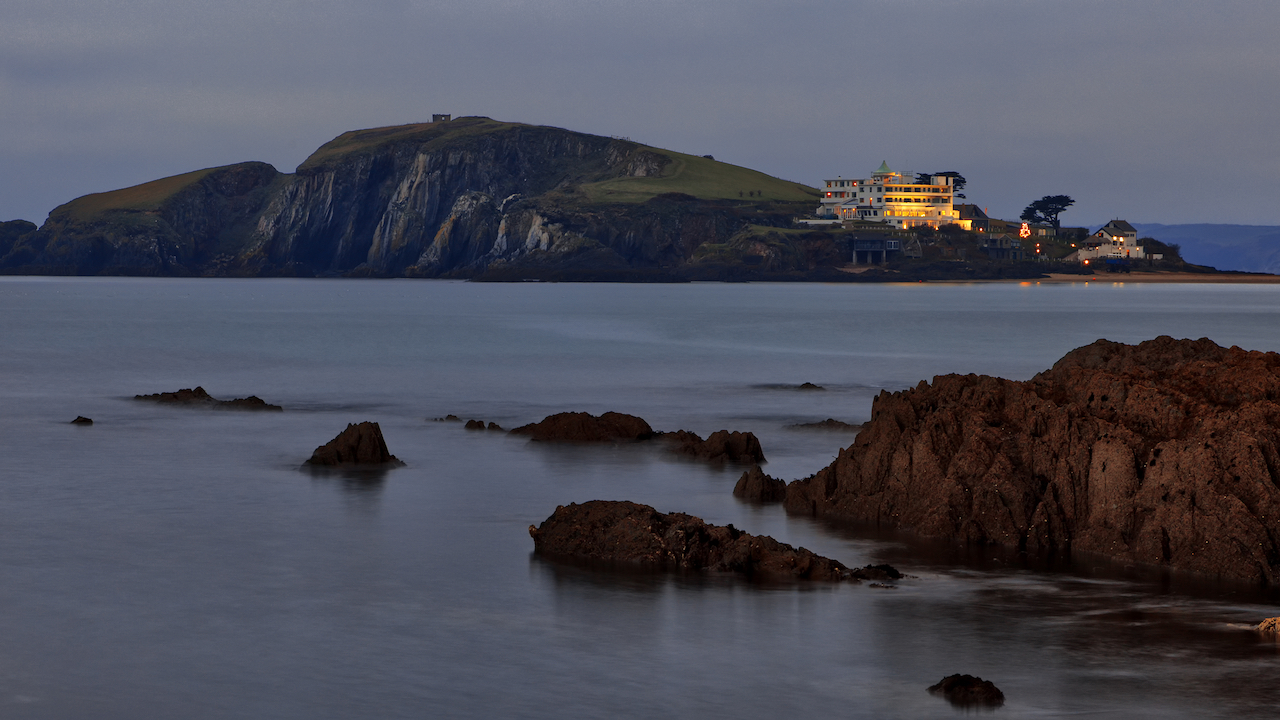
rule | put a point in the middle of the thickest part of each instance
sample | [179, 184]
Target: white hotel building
[892, 198]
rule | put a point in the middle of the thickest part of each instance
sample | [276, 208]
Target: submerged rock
[81, 420]
[581, 427]
[1166, 452]
[198, 397]
[968, 691]
[630, 534]
[739, 448]
[755, 486]
[810, 386]
[480, 425]
[360, 444]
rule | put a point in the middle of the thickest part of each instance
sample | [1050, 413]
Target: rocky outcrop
[1167, 452]
[480, 425]
[1269, 628]
[968, 691]
[190, 224]
[629, 534]
[199, 398]
[82, 420]
[581, 427]
[467, 198]
[360, 445]
[722, 446]
[828, 424]
[755, 486]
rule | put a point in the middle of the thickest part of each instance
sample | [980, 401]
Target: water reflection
[360, 482]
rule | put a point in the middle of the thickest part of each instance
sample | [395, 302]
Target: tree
[1047, 209]
[957, 180]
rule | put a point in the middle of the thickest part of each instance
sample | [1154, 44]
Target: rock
[494, 426]
[630, 534]
[474, 425]
[447, 418]
[81, 420]
[583, 427]
[1269, 627]
[968, 691]
[810, 386]
[757, 487]
[198, 397]
[828, 424]
[359, 444]
[739, 448]
[1167, 452]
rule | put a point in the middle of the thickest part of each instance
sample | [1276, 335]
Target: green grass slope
[701, 177]
[146, 197]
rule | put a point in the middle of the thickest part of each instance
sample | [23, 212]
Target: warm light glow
[1025, 232]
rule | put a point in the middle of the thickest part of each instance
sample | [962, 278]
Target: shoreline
[1161, 277]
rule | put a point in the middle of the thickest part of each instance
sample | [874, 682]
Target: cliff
[467, 198]
[1166, 453]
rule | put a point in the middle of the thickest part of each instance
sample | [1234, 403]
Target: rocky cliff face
[1167, 453]
[430, 205]
[453, 199]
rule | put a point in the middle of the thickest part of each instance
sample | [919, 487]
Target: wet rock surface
[361, 444]
[197, 397]
[1166, 452]
[1269, 628]
[722, 446]
[629, 534]
[581, 427]
[755, 486]
[968, 691]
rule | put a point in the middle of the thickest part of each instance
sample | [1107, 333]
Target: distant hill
[1249, 248]
[459, 198]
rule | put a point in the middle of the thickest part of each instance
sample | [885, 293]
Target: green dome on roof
[883, 169]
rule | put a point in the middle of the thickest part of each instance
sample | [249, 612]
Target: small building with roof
[1116, 239]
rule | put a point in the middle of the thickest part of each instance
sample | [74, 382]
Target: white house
[1116, 239]
[890, 197]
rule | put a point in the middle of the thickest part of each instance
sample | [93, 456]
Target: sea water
[176, 562]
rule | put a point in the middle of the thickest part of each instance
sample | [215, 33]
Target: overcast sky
[1151, 110]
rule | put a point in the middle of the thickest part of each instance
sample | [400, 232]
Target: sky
[1156, 111]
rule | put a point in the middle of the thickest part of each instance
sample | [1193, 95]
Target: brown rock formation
[740, 448]
[1269, 628]
[1166, 452]
[360, 444]
[627, 533]
[81, 420]
[968, 691]
[198, 397]
[585, 428]
[757, 487]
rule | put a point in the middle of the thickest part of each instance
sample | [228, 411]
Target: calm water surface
[176, 563]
